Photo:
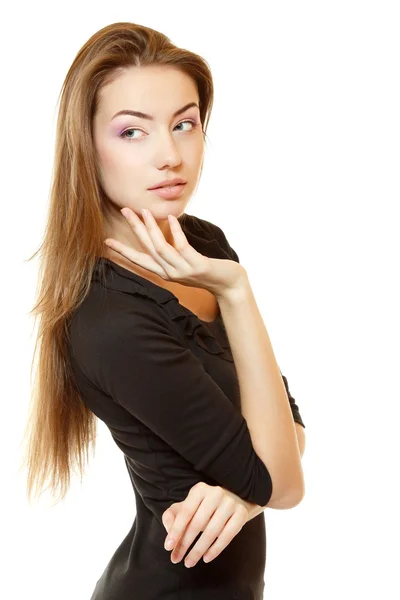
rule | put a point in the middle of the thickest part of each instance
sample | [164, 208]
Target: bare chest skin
[198, 300]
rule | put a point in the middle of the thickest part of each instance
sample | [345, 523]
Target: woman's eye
[125, 134]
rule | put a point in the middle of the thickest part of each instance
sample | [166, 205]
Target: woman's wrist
[237, 293]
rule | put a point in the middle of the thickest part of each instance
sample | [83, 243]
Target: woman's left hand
[215, 511]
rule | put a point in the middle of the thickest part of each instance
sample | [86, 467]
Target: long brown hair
[60, 428]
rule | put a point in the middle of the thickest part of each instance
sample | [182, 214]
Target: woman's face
[136, 153]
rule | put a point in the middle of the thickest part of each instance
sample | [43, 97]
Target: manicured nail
[169, 544]
[189, 563]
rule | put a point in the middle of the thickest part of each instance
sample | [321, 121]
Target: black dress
[164, 382]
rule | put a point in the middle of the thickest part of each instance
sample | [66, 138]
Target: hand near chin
[178, 262]
[213, 510]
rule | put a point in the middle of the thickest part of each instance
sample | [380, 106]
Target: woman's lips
[169, 191]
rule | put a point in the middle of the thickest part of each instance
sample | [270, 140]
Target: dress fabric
[164, 382]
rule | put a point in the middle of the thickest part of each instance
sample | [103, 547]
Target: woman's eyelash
[123, 134]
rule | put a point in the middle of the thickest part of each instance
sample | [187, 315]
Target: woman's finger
[231, 529]
[224, 525]
[169, 515]
[138, 258]
[186, 511]
[153, 239]
[151, 260]
[197, 524]
[172, 260]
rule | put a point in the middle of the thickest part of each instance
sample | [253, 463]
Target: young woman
[149, 323]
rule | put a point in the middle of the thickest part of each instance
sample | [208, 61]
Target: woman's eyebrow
[142, 115]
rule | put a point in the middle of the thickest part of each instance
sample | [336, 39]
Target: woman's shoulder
[113, 296]
[195, 224]
[109, 316]
[117, 295]
[209, 237]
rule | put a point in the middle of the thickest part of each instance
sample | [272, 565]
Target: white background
[302, 174]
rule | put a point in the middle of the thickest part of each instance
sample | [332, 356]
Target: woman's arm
[264, 403]
[301, 438]
[253, 509]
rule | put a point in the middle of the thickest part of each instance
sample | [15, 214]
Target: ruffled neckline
[209, 335]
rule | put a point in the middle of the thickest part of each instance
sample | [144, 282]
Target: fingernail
[169, 543]
[189, 563]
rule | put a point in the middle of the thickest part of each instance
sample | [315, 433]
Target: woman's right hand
[179, 263]
[214, 511]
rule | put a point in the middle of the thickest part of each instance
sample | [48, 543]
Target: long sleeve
[141, 363]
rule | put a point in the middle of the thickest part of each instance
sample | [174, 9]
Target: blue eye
[132, 139]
